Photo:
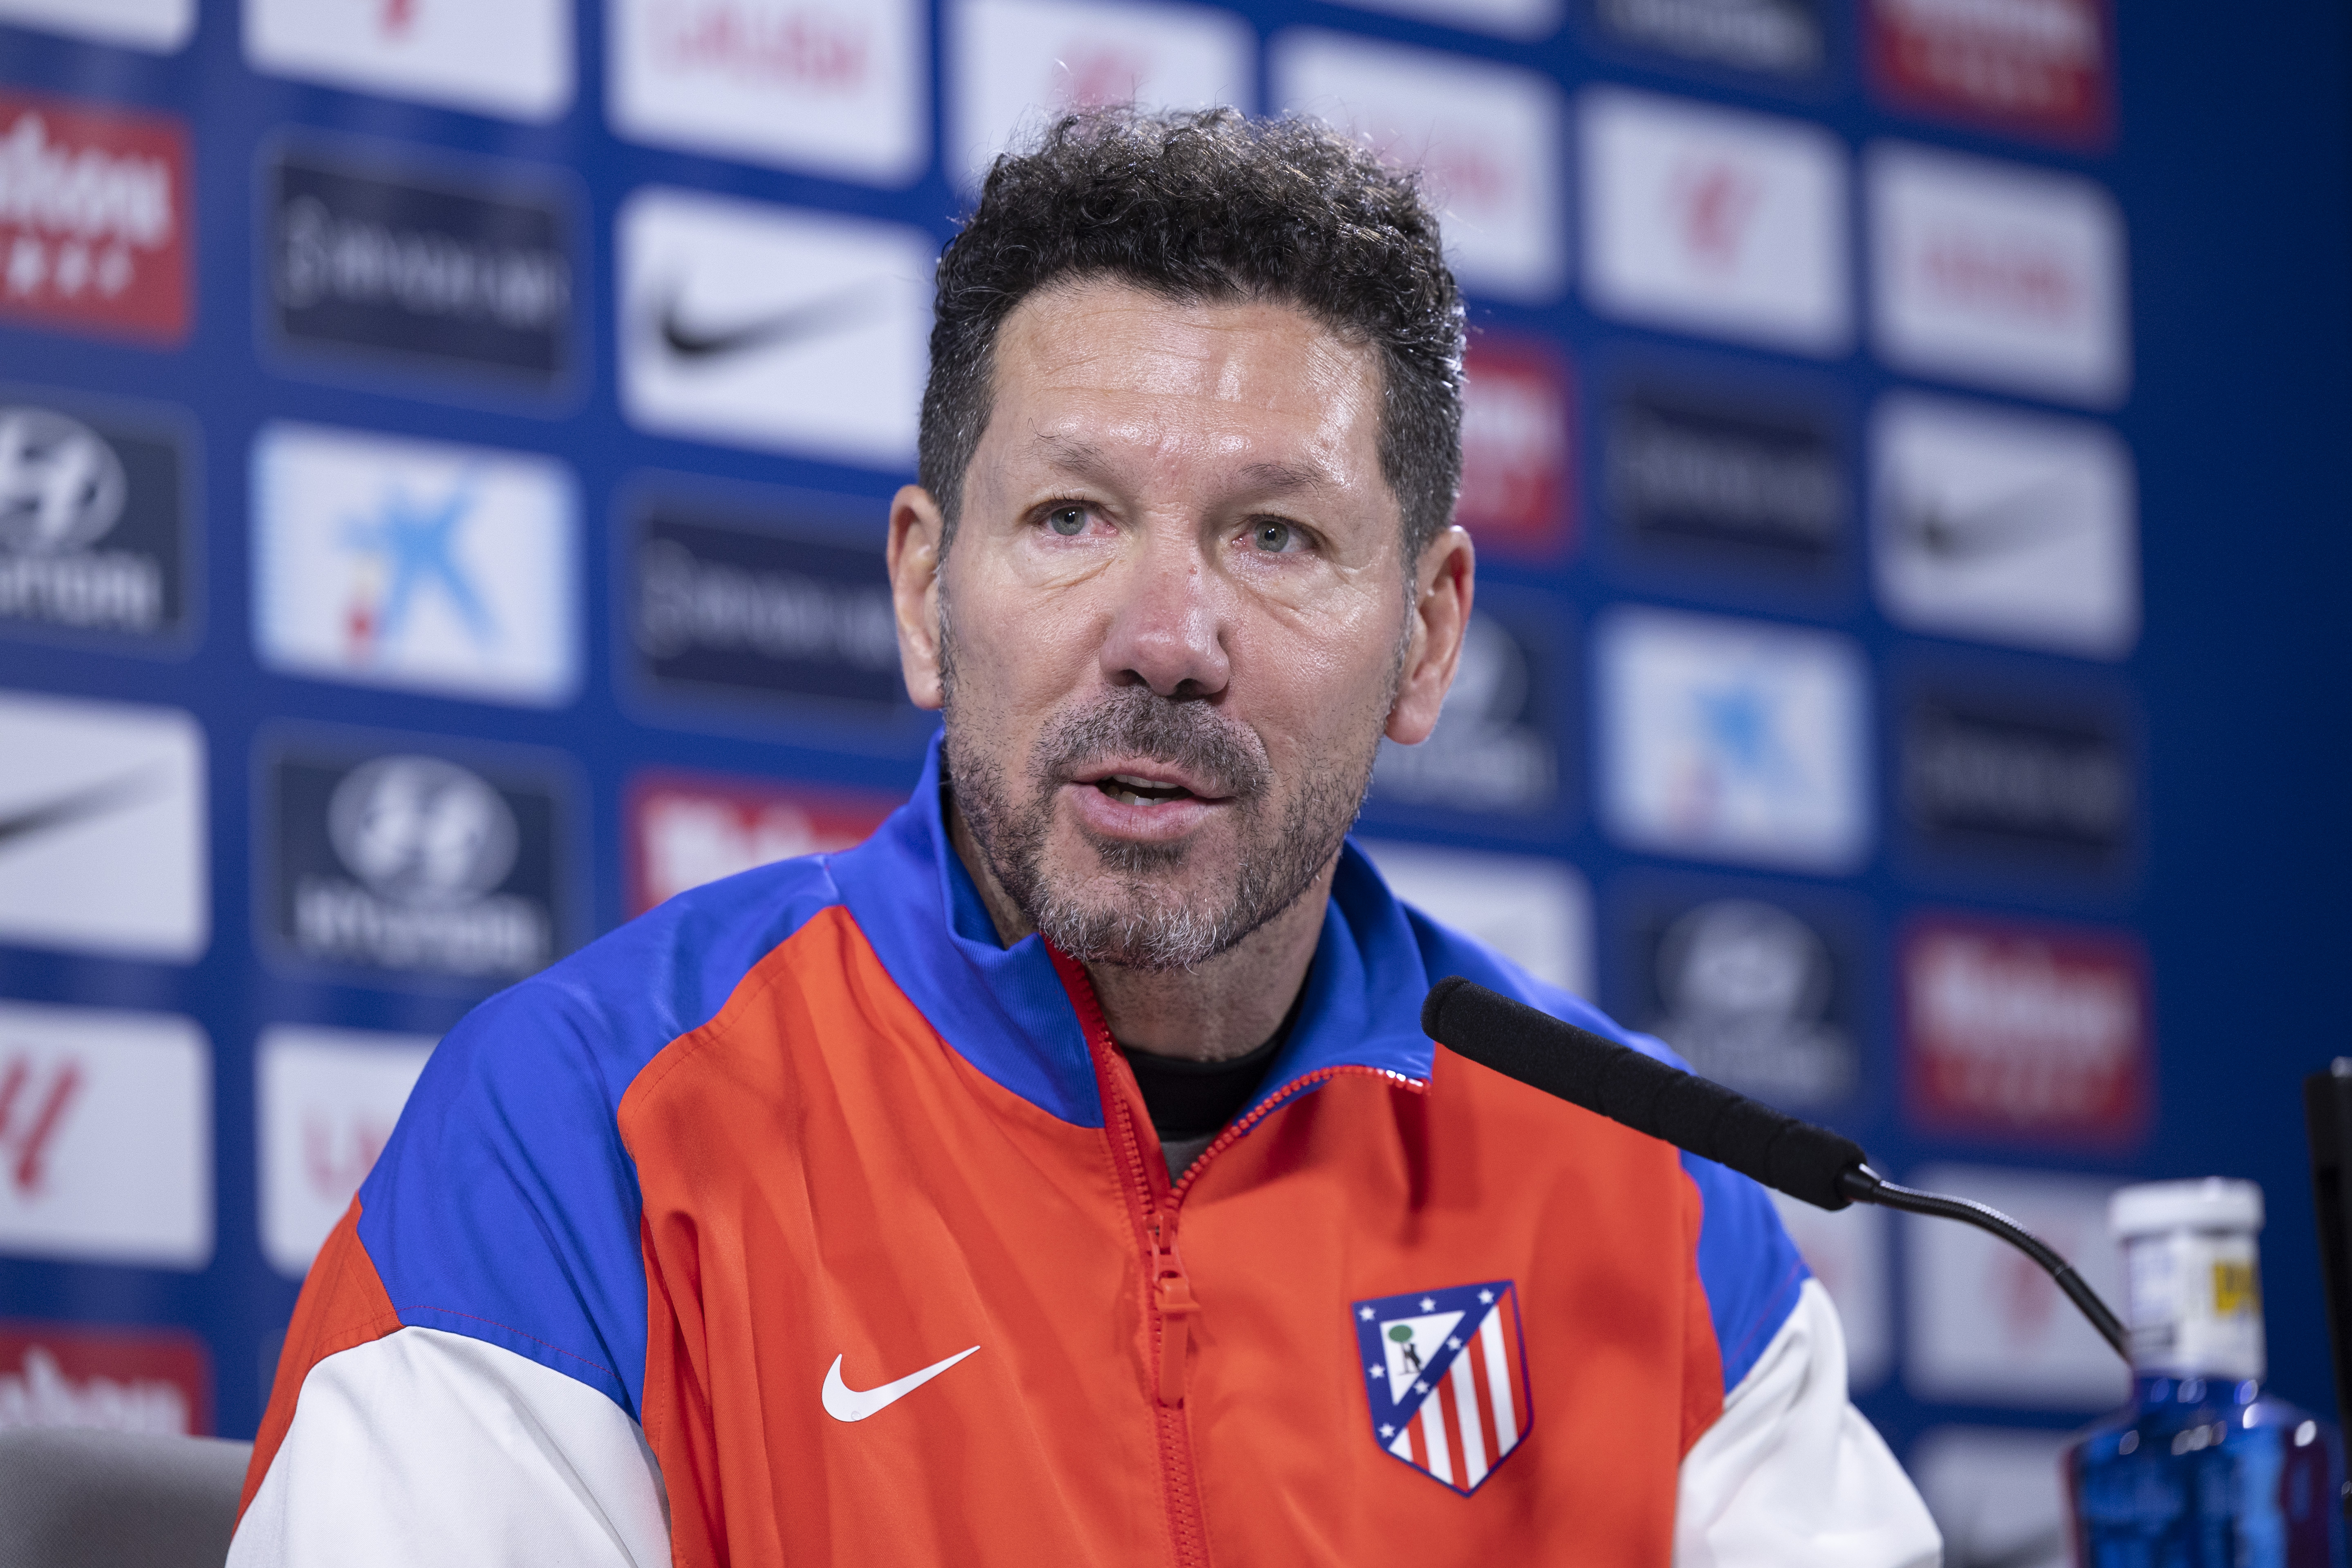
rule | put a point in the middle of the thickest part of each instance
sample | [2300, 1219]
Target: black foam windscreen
[1641, 1092]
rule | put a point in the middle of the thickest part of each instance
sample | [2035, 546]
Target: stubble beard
[1143, 922]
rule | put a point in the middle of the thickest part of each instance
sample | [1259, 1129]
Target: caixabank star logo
[1447, 1378]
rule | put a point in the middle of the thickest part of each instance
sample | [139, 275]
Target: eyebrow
[1086, 460]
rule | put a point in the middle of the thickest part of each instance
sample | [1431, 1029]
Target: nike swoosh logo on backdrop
[844, 1403]
[828, 313]
[95, 800]
[2009, 522]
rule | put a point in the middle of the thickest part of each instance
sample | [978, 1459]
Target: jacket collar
[1005, 1011]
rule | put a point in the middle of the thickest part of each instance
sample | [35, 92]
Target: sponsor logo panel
[414, 866]
[1510, 18]
[1020, 64]
[512, 59]
[159, 26]
[2047, 784]
[1533, 911]
[1998, 275]
[1708, 476]
[1986, 1325]
[102, 828]
[685, 829]
[1496, 746]
[389, 562]
[329, 1099]
[1714, 221]
[1754, 989]
[94, 533]
[2013, 1030]
[1518, 434]
[2038, 66]
[106, 1136]
[2009, 527]
[1996, 1493]
[837, 88]
[766, 326]
[729, 606]
[1774, 37]
[1734, 740]
[96, 218]
[109, 1380]
[446, 269]
[1487, 138]
[1847, 1252]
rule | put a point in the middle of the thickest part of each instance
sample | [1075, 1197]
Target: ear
[916, 528]
[1445, 579]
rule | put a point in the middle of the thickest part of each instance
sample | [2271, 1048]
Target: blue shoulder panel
[504, 1207]
[1747, 1264]
[1004, 1007]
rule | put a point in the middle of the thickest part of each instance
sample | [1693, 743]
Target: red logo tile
[1518, 434]
[685, 829]
[2033, 66]
[153, 1379]
[95, 217]
[2025, 1031]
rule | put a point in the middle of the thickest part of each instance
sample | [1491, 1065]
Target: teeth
[1131, 778]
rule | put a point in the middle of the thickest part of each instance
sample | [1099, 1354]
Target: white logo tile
[328, 1100]
[1987, 1326]
[105, 1136]
[102, 828]
[841, 89]
[1998, 275]
[1714, 221]
[512, 59]
[1487, 139]
[767, 326]
[1998, 1494]
[2008, 526]
[1536, 912]
[1529, 19]
[159, 26]
[1019, 63]
[1734, 740]
[389, 562]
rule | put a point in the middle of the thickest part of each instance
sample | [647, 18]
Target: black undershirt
[1190, 1100]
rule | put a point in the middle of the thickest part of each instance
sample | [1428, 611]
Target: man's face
[1172, 618]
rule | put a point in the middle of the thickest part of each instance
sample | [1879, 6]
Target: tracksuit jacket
[799, 1221]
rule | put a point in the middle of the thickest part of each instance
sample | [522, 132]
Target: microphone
[1701, 1117]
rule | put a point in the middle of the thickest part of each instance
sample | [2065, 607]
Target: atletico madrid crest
[1447, 1377]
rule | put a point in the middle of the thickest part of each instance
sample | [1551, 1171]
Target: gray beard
[1140, 927]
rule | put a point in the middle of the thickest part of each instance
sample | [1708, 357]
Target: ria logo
[421, 832]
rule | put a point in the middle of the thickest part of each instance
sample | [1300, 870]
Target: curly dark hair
[1212, 207]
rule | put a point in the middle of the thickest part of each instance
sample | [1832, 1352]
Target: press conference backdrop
[443, 457]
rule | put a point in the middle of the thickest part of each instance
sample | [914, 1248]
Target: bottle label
[2197, 1305]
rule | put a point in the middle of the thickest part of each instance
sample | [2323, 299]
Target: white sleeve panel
[1792, 1474]
[425, 1447]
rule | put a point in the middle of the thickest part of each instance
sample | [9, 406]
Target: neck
[1225, 1008]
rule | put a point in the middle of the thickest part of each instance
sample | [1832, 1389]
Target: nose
[1168, 623]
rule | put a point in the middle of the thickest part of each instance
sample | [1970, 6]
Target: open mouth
[1129, 790]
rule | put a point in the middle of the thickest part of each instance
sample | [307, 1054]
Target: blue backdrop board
[443, 458]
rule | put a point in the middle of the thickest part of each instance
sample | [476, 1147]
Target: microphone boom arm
[1694, 1113]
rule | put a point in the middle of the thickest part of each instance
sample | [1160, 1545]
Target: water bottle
[2202, 1470]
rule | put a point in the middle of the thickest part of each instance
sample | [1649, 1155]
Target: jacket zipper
[1171, 1305]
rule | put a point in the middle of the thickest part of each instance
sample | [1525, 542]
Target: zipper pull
[1171, 1293]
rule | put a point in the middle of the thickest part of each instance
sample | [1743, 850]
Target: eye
[1271, 536]
[1069, 522]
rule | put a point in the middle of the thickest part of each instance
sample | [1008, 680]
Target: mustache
[1135, 720]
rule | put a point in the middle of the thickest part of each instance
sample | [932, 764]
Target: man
[1061, 1176]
